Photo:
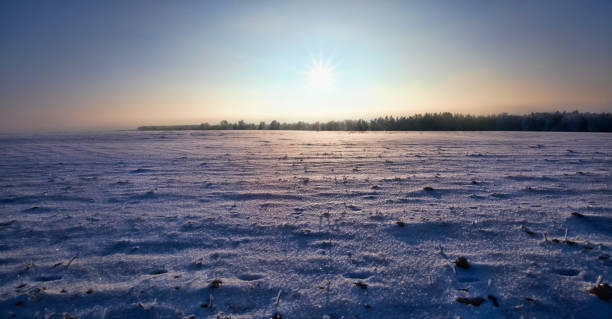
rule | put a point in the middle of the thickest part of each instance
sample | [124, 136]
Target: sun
[321, 75]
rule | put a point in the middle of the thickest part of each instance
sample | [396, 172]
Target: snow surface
[152, 224]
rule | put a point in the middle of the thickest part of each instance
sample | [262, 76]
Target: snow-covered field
[304, 224]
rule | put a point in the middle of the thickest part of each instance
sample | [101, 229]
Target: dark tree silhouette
[557, 121]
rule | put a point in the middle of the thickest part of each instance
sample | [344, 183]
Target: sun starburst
[321, 75]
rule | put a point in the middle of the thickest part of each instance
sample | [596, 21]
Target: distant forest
[557, 121]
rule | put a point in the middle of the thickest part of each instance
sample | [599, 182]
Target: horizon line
[573, 121]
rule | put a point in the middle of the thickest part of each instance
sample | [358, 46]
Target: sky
[119, 64]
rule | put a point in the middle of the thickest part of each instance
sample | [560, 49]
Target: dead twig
[278, 297]
[71, 260]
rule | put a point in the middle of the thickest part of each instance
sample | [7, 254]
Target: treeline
[557, 121]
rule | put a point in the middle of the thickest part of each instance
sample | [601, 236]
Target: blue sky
[119, 64]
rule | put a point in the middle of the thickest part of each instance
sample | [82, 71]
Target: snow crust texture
[305, 224]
